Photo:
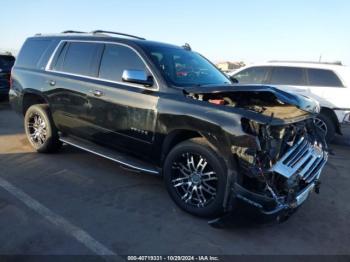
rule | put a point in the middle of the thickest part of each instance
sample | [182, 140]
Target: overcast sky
[249, 30]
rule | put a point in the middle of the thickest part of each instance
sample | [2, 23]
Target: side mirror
[234, 80]
[137, 77]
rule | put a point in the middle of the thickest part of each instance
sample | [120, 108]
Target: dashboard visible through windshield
[182, 67]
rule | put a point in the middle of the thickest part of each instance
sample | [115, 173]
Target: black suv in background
[166, 110]
[6, 63]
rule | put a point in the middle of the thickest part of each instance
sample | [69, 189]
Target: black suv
[6, 62]
[166, 110]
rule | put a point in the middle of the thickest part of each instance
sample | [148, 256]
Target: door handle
[51, 82]
[97, 93]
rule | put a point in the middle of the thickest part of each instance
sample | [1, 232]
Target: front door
[124, 113]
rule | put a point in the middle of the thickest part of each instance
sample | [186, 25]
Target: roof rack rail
[73, 32]
[116, 33]
[306, 62]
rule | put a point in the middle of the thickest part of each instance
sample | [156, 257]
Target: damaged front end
[284, 165]
[278, 177]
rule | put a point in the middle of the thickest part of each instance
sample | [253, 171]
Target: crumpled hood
[304, 103]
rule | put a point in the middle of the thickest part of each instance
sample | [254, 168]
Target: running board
[124, 160]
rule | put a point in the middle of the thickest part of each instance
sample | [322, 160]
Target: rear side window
[32, 52]
[253, 75]
[287, 76]
[116, 59]
[323, 77]
[79, 58]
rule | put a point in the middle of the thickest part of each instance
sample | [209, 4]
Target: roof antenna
[187, 47]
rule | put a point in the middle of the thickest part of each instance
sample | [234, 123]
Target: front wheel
[195, 177]
[326, 124]
[40, 129]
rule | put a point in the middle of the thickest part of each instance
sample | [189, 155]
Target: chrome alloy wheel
[37, 129]
[321, 125]
[194, 179]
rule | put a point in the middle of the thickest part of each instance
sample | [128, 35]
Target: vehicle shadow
[243, 217]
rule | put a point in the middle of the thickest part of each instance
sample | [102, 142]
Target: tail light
[10, 80]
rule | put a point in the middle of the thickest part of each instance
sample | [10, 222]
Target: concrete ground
[99, 205]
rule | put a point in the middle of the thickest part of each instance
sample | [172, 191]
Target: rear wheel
[195, 178]
[325, 123]
[40, 130]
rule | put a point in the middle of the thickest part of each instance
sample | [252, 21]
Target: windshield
[182, 67]
[6, 63]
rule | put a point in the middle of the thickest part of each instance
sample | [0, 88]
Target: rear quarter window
[323, 77]
[32, 53]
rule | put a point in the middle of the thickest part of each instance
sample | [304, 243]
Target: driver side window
[253, 75]
[116, 59]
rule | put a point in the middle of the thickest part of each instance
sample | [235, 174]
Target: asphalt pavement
[76, 203]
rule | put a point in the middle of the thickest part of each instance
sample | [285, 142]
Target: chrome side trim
[49, 63]
[110, 158]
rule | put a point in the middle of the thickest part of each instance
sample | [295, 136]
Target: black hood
[302, 102]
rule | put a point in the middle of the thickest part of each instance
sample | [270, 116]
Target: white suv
[328, 83]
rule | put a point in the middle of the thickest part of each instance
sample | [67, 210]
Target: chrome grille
[305, 158]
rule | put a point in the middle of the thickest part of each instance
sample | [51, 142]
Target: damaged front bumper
[304, 162]
[271, 209]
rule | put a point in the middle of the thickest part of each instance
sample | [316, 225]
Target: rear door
[69, 80]
[294, 80]
[291, 79]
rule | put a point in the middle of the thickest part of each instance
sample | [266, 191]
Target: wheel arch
[228, 160]
[30, 98]
[174, 138]
[330, 113]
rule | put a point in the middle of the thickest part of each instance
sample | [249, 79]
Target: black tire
[4, 98]
[329, 127]
[46, 140]
[198, 148]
